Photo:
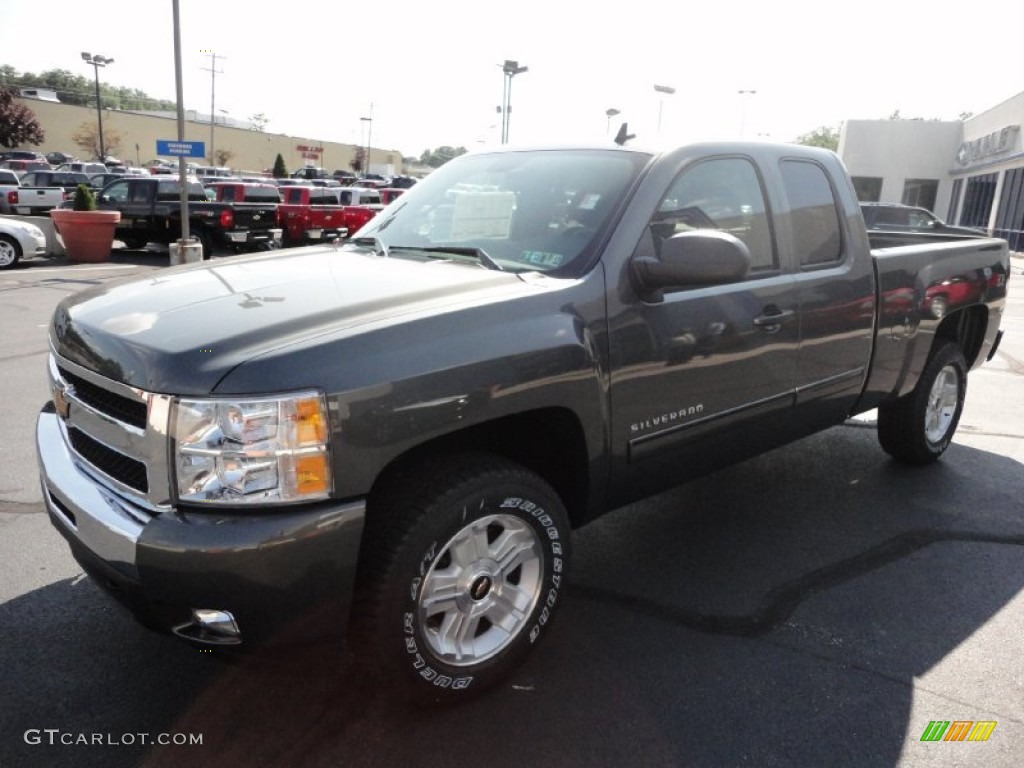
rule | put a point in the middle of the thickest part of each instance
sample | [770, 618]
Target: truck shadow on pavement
[808, 607]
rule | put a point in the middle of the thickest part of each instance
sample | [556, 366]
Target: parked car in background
[56, 158]
[9, 182]
[242, 192]
[310, 214]
[895, 217]
[345, 177]
[24, 166]
[387, 194]
[100, 180]
[89, 169]
[310, 172]
[19, 239]
[150, 212]
[22, 154]
[42, 191]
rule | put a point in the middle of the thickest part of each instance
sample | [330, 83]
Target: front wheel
[461, 572]
[10, 252]
[919, 427]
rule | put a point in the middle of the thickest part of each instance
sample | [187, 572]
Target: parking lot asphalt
[819, 605]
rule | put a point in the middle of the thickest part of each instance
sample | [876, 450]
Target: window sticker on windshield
[589, 202]
[542, 258]
[482, 214]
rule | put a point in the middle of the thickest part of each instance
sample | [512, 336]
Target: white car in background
[18, 239]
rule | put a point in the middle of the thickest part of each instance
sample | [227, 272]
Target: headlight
[253, 450]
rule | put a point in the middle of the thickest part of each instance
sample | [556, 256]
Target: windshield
[530, 210]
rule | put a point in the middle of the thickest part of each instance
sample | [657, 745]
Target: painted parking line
[88, 269]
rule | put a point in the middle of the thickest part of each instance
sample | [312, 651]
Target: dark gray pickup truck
[398, 434]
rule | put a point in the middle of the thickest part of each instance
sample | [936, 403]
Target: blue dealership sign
[168, 148]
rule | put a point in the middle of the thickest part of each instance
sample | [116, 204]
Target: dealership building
[970, 173]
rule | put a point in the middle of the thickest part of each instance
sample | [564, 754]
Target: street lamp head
[666, 89]
[86, 56]
[512, 68]
[612, 112]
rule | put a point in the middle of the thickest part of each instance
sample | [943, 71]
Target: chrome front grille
[117, 434]
[117, 407]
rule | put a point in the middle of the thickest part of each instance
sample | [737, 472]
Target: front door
[690, 367]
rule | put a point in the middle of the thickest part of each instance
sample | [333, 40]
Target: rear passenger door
[836, 287]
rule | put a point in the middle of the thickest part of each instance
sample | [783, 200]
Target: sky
[429, 73]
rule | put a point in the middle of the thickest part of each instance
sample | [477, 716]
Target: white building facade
[971, 173]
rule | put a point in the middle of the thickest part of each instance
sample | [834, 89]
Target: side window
[117, 192]
[294, 196]
[814, 216]
[723, 194]
[346, 197]
[227, 194]
[138, 192]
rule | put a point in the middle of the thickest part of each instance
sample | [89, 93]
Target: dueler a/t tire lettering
[919, 427]
[462, 569]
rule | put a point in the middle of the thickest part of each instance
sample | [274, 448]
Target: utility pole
[213, 90]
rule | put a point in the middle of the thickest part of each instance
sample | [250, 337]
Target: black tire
[206, 241]
[134, 243]
[10, 252]
[917, 428]
[428, 601]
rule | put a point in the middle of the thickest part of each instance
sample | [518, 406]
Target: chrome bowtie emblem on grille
[61, 402]
[256, 217]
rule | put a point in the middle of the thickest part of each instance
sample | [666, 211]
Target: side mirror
[697, 257]
[104, 198]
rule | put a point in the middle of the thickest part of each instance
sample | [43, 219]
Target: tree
[223, 156]
[441, 155]
[279, 171]
[87, 138]
[18, 124]
[356, 164]
[259, 121]
[825, 136]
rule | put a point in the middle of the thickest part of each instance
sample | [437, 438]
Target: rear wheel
[206, 241]
[10, 252]
[919, 427]
[459, 577]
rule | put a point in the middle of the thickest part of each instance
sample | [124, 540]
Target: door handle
[773, 319]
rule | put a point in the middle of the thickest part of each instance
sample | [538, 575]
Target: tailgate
[255, 216]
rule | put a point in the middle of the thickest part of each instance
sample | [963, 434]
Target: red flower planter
[88, 235]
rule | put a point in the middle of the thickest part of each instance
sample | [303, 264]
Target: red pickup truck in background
[360, 205]
[311, 215]
[243, 192]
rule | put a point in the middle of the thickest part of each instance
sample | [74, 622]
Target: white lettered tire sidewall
[527, 499]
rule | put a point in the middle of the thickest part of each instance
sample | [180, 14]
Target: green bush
[85, 200]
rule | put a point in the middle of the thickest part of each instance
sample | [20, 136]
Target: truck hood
[182, 330]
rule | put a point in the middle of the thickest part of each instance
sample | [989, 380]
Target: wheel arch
[549, 442]
[966, 329]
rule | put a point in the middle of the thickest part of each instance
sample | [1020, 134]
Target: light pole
[213, 83]
[610, 113]
[369, 139]
[98, 61]
[743, 109]
[510, 70]
[665, 90]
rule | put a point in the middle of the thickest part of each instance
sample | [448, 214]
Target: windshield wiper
[456, 250]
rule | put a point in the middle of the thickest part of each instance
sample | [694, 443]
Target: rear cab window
[815, 227]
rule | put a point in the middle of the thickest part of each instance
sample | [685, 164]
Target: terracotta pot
[88, 235]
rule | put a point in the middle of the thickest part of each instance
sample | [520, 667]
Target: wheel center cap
[481, 587]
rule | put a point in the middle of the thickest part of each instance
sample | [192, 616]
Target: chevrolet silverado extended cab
[151, 212]
[399, 433]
